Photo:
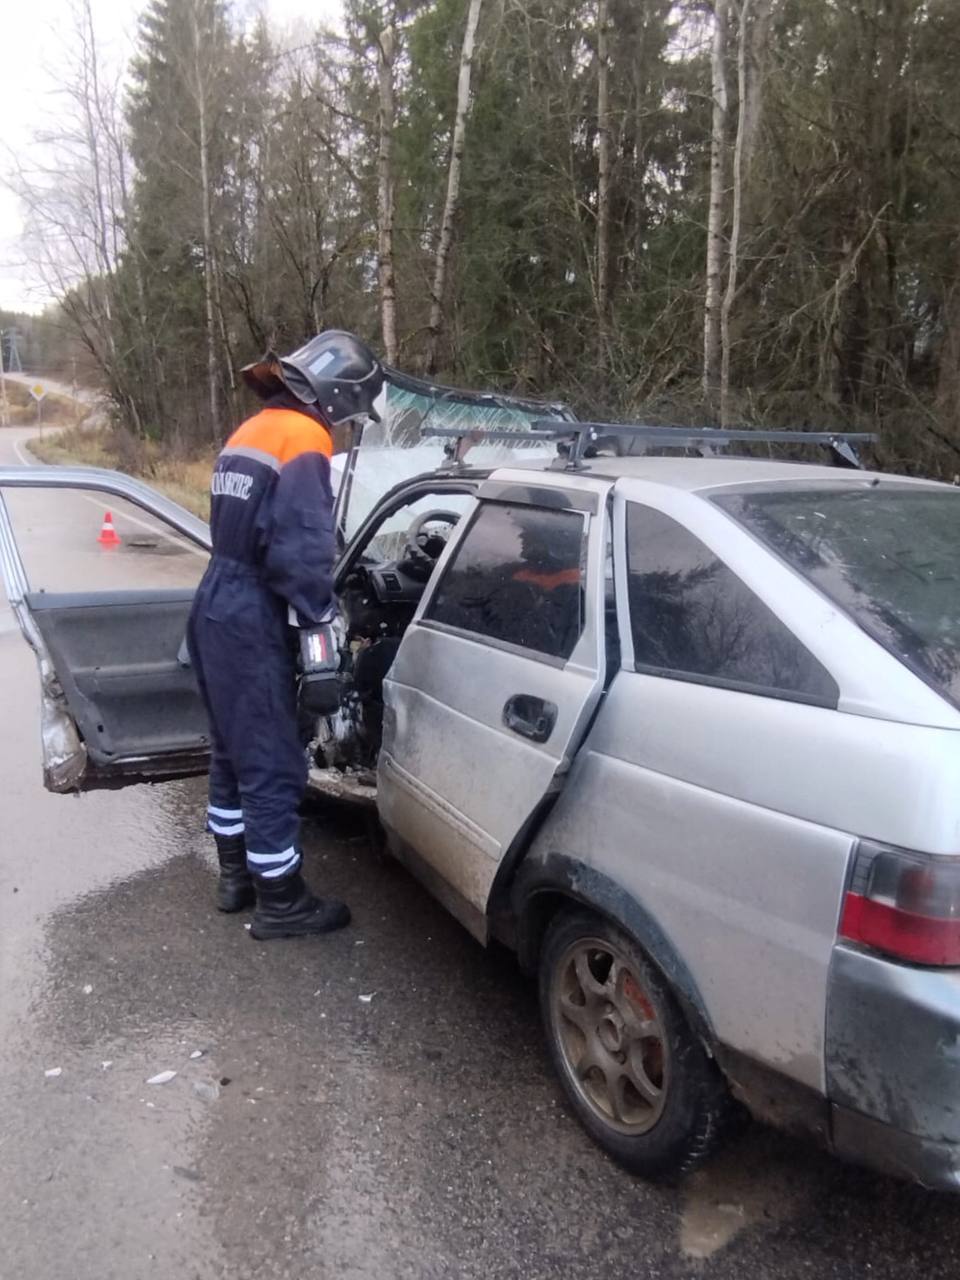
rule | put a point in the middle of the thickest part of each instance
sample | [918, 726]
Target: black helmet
[335, 371]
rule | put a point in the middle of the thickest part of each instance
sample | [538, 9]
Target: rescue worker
[270, 573]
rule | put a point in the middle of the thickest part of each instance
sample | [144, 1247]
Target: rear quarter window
[888, 554]
[693, 618]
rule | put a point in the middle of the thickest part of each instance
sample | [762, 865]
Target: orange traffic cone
[108, 534]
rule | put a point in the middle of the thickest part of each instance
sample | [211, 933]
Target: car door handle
[529, 716]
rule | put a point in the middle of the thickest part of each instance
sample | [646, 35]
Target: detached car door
[492, 687]
[119, 701]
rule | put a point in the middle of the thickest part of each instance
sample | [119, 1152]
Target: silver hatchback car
[683, 732]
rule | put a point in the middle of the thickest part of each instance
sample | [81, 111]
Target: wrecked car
[681, 731]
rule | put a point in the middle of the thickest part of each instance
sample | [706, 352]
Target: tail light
[906, 905]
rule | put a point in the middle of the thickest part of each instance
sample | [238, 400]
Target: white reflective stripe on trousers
[272, 866]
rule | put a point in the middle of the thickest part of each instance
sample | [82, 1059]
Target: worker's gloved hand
[320, 649]
[339, 628]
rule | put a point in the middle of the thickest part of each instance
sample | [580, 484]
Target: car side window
[137, 551]
[692, 617]
[517, 577]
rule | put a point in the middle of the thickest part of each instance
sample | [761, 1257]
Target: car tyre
[637, 1077]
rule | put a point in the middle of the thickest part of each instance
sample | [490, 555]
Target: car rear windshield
[888, 555]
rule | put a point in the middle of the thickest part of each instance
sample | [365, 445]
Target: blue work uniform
[273, 549]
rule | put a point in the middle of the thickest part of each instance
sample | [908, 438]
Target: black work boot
[235, 886]
[287, 908]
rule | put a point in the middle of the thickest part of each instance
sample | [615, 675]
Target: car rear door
[119, 700]
[494, 684]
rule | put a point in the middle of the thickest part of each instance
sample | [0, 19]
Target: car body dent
[64, 755]
[879, 1015]
[858, 1137]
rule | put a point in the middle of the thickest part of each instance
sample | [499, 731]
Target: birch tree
[604, 157]
[386, 53]
[457, 148]
[716, 214]
[753, 19]
[199, 82]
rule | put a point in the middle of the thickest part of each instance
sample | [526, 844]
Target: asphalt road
[415, 1133]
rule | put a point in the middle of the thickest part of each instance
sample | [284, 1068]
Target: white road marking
[24, 458]
[165, 532]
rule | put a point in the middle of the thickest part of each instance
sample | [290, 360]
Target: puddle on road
[153, 547]
[101, 902]
[760, 1179]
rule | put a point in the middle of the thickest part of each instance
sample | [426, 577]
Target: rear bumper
[893, 1066]
[888, 1150]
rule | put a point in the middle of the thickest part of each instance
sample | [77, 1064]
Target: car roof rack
[575, 439]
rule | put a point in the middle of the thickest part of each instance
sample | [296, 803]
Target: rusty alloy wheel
[611, 1037]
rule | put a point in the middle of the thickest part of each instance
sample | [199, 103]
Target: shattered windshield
[394, 449]
[887, 554]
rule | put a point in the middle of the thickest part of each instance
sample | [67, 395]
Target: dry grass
[186, 482]
[84, 446]
[57, 411]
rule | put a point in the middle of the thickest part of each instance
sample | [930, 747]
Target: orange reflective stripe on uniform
[277, 436]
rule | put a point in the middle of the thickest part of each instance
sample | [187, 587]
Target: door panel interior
[120, 660]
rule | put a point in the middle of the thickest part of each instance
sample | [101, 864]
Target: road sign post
[4, 410]
[39, 391]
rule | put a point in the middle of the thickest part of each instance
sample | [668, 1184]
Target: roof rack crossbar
[573, 438]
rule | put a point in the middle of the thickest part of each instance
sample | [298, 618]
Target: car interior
[379, 593]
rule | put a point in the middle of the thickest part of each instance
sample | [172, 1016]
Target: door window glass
[517, 577]
[63, 547]
[692, 616]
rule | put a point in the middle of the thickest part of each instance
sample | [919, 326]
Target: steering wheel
[423, 548]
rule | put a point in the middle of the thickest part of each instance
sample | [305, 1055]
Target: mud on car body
[682, 731]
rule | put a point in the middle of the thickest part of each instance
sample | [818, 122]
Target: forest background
[744, 212]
